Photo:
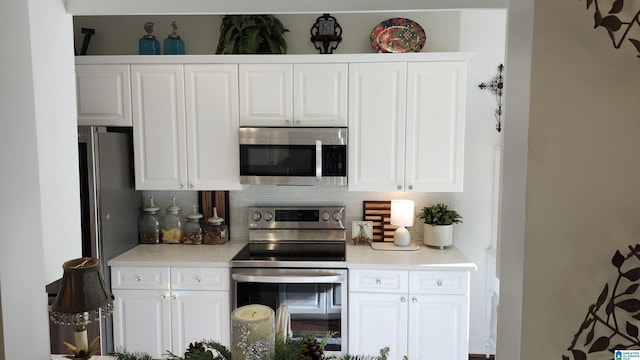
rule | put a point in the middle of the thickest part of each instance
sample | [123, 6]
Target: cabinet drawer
[199, 278]
[378, 281]
[439, 282]
[140, 278]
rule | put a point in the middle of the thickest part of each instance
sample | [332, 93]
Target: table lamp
[83, 298]
[401, 216]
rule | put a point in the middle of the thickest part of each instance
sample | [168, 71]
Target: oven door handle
[318, 160]
[289, 279]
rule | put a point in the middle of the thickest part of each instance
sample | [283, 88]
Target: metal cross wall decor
[496, 86]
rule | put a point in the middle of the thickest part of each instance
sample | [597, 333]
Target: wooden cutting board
[379, 212]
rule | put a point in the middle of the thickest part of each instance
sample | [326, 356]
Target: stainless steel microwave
[293, 156]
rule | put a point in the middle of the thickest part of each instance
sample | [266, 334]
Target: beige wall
[583, 173]
[118, 35]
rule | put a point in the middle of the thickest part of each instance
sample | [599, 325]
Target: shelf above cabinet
[275, 59]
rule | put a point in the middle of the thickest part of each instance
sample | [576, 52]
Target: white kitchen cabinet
[421, 314]
[293, 94]
[103, 95]
[406, 126]
[160, 308]
[185, 123]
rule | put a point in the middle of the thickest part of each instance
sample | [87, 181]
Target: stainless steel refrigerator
[110, 205]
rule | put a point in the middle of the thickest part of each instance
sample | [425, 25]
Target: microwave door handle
[289, 279]
[318, 160]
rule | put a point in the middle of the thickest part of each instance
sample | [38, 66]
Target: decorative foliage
[439, 214]
[251, 34]
[617, 26]
[612, 321]
[285, 349]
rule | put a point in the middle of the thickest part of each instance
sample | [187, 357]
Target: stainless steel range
[296, 257]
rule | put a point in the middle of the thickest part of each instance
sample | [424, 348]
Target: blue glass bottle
[173, 45]
[148, 44]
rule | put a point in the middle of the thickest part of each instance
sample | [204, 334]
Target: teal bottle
[148, 44]
[173, 44]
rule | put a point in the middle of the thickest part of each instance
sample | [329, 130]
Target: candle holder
[252, 333]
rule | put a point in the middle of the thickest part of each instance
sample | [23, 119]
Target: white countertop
[358, 257]
[426, 258]
[179, 255]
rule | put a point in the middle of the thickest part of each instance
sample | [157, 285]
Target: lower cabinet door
[142, 321]
[438, 327]
[377, 321]
[200, 315]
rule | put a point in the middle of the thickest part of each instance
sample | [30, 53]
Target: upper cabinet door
[377, 96]
[103, 95]
[435, 126]
[320, 94]
[160, 155]
[212, 126]
[266, 94]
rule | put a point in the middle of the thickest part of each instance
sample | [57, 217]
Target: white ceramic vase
[439, 236]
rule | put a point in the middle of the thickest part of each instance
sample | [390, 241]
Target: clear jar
[149, 224]
[214, 231]
[192, 233]
[171, 225]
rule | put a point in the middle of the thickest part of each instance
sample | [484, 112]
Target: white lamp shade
[402, 212]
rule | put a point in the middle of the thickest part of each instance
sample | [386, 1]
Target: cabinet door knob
[190, 186]
[164, 296]
[198, 279]
[414, 300]
[403, 299]
[138, 278]
[378, 282]
[399, 187]
[410, 187]
[173, 296]
[180, 186]
[439, 282]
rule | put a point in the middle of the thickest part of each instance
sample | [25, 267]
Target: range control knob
[337, 216]
[268, 216]
[325, 216]
[256, 216]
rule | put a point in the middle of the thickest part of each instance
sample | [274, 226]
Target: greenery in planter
[439, 214]
[306, 348]
[251, 34]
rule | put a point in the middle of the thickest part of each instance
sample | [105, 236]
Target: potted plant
[438, 224]
[251, 34]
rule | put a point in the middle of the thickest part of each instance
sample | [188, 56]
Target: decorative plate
[398, 35]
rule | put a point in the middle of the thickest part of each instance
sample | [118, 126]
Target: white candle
[252, 333]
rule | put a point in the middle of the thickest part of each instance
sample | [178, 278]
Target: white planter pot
[439, 236]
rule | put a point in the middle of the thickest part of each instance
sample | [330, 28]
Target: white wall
[473, 237]
[39, 175]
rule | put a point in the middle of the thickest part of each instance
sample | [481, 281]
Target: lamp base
[401, 237]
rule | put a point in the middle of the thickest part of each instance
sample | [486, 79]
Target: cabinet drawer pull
[138, 278]
[439, 282]
[378, 282]
[198, 279]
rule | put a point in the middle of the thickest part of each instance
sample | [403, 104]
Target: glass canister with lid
[192, 233]
[215, 231]
[172, 224]
[149, 224]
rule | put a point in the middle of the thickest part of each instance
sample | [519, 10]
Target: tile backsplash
[295, 195]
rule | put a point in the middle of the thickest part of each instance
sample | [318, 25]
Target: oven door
[316, 299]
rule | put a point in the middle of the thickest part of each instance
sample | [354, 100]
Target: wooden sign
[379, 212]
